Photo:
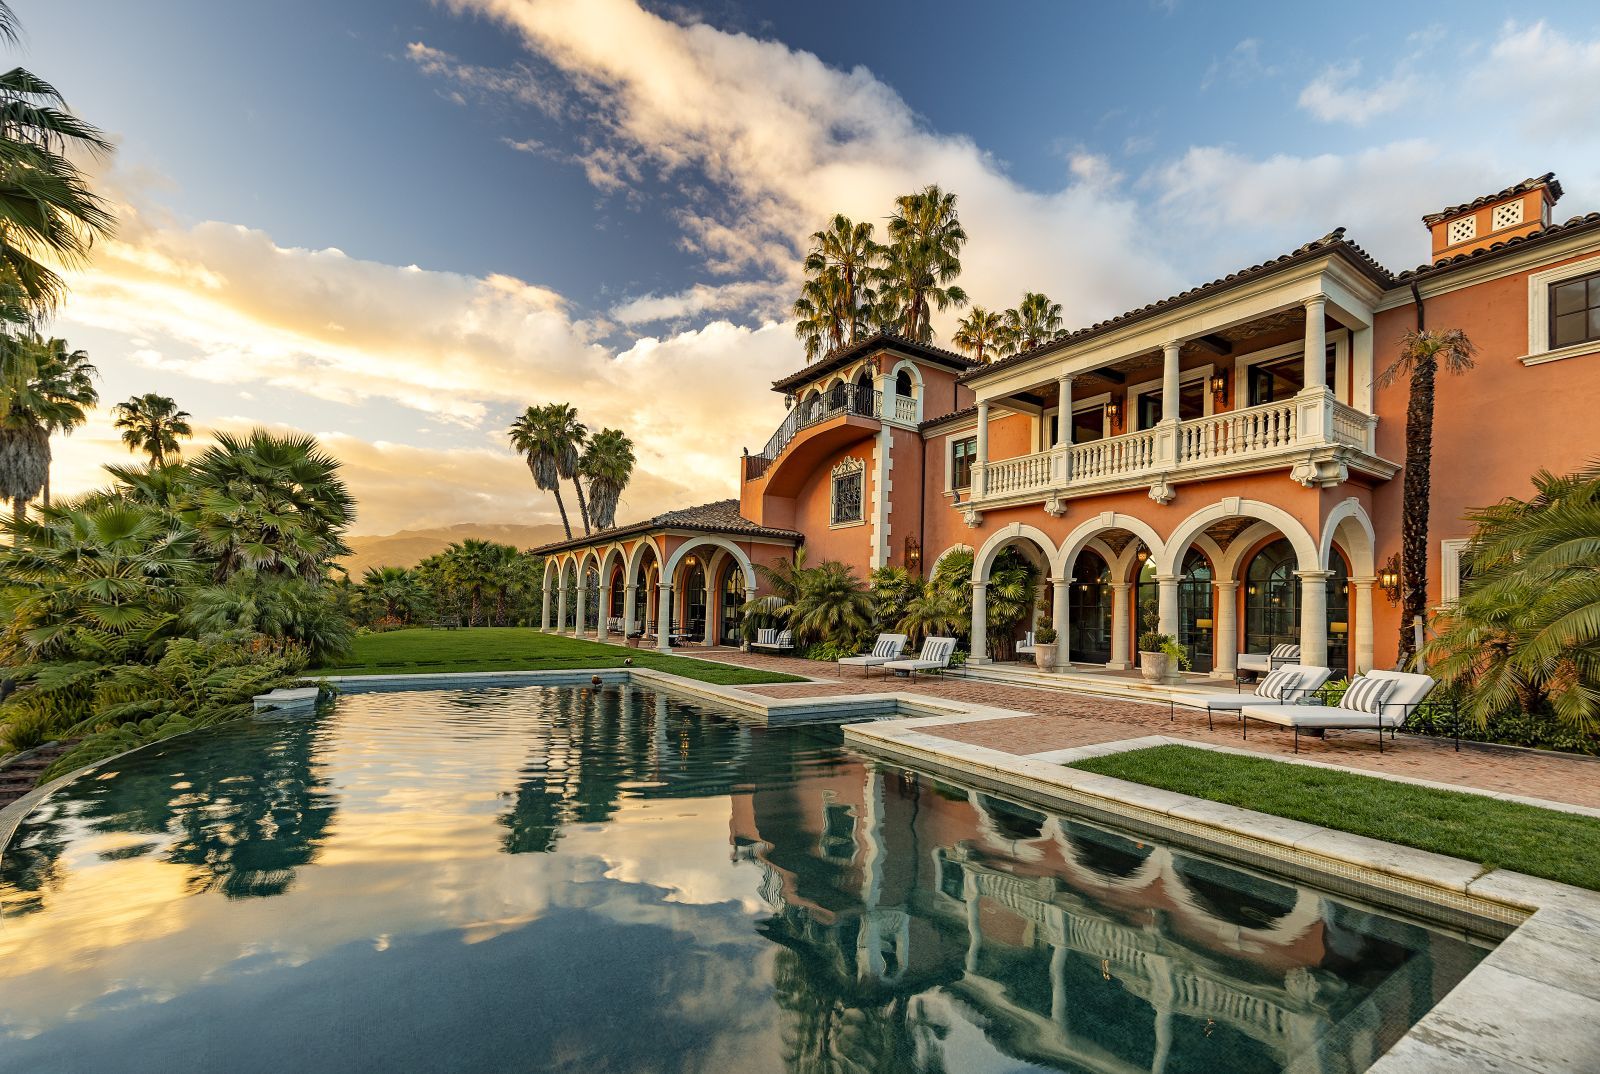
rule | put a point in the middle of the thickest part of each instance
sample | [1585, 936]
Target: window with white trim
[1575, 311]
[849, 484]
[962, 453]
[1454, 569]
[1564, 312]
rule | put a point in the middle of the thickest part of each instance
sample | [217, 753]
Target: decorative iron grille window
[1575, 311]
[849, 479]
[962, 452]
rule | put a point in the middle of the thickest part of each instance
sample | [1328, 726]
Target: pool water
[611, 880]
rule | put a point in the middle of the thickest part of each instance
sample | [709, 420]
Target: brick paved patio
[1063, 719]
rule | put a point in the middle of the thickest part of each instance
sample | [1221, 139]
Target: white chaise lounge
[1288, 685]
[1262, 663]
[888, 647]
[773, 640]
[935, 657]
[1025, 648]
[1378, 700]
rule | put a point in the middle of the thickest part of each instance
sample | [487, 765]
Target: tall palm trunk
[583, 506]
[46, 490]
[1417, 496]
[562, 507]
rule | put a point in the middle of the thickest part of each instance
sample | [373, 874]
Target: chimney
[1515, 211]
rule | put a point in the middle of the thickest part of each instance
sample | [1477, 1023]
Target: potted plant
[1044, 647]
[1161, 658]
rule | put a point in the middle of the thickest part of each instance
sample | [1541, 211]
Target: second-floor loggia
[1239, 397]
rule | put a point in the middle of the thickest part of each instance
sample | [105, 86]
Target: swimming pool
[610, 879]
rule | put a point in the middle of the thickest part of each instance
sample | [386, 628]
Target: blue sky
[395, 223]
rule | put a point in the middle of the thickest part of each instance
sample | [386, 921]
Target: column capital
[632, 588]
[1318, 299]
[1366, 583]
[1121, 587]
[1066, 378]
[1171, 345]
[1169, 579]
[1231, 584]
[979, 585]
[1313, 576]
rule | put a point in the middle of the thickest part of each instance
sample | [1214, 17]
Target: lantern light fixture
[1389, 579]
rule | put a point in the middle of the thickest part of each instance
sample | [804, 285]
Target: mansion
[1222, 461]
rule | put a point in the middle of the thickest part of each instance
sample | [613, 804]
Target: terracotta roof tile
[1577, 225]
[721, 516]
[843, 356]
[1547, 179]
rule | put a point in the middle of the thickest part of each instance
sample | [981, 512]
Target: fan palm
[849, 250]
[1035, 321]
[1421, 356]
[152, 424]
[1526, 631]
[833, 606]
[391, 593]
[551, 439]
[982, 335]
[607, 465]
[47, 211]
[922, 260]
[43, 387]
[822, 314]
[932, 610]
[270, 503]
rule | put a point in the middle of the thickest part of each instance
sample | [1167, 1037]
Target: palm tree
[551, 438]
[1420, 357]
[392, 592]
[269, 503]
[607, 465]
[1035, 320]
[933, 610]
[847, 249]
[40, 390]
[48, 214]
[152, 424]
[922, 260]
[1526, 632]
[833, 606]
[982, 335]
[822, 314]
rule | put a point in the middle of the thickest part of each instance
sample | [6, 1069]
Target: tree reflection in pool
[605, 879]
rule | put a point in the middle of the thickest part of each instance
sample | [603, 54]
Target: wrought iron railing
[844, 399]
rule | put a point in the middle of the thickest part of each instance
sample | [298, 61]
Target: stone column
[1314, 617]
[980, 623]
[1064, 412]
[1365, 641]
[579, 623]
[1170, 380]
[663, 619]
[1226, 611]
[979, 478]
[1316, 371]
[544, 607]
[1167, 604]
[601, 630]
[561, 607]
[630, 598]
[711, 610]
[1121, 627]
[1060, 619]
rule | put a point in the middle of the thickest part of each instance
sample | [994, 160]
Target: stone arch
[984, 559]
[918, 389]
[1349, 525]
[1242, 545]
[948, 551]
[1091, 528]
[587, 556]
[636, 557]
[613, 557]
[1169, 561]
[669, 573]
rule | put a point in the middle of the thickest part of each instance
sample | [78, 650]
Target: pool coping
[1531, 1005]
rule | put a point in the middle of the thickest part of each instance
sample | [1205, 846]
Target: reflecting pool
[611, 880]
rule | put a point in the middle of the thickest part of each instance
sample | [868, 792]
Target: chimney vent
[1515, 211]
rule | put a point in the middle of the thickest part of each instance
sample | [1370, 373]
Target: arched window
[903, 385]
[1195, 621]
[1338, 614]
[591, 598]
[1271, 599]
[1089, 609]
[862, 403]
[732, 601]
[694, 598]
[617, 596]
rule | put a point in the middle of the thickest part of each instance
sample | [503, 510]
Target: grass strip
[1557, 846]
[423, 650]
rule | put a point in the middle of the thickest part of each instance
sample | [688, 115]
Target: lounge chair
[935, 657]
[1378, 700]
[1287, 685]
[774, 640]
[1025, 648]
[888, 647]
[1262, 663]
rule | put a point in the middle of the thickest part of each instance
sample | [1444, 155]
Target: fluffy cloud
[1331, 97]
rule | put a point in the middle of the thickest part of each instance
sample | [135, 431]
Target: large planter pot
[1044, 656]
[1155, 667]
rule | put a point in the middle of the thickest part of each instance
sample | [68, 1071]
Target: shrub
[828, 651]
[1045, 635]
[24, 730]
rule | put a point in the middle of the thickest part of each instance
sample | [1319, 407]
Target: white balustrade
[1351, 426]
[1265, 428]
[1114, 456]
[905, 409]
[1025, 474]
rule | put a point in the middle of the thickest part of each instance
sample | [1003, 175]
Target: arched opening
[1271, 598]
[810, 406]
[616, 596]
[1196, 624]
[836, 396]
[694, 596]
[903, 386]
[1089, 609]
[732, 600]
[863, 394]
[645, 596]
[1338, 613]
[591, 597]
[569, 587]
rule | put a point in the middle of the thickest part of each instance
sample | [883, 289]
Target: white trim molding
[1450, 561]
[1539, 283]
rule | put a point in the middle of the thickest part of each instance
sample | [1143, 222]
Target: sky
[395, 224]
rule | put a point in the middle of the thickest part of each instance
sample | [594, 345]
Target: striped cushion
[785, 639]
[1278, 683]
[1366, 694]
[766, 635]
[886, 647]
[1286, 651]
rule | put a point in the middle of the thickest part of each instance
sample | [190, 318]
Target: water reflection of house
[1073, 945]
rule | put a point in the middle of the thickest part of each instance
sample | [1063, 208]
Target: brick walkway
[1063, 719]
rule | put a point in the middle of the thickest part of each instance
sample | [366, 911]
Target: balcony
[1316, 438]
[845, 401]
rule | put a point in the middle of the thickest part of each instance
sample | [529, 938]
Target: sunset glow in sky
[394, 223]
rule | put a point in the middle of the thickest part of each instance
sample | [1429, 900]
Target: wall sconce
[913, 556]
[1389, 579]
[1251, 589]
[1219, 384]
[1142, 555]
[1113, 411]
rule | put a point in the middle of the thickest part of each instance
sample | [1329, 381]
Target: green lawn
[1504, 835]
[423, 650]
